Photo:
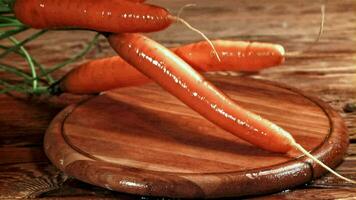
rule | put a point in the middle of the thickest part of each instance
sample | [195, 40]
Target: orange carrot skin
[248, 56]
[108, 73]
[101, 75]
[178, 78]
[106, 16]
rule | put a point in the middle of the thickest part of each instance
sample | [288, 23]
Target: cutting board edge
[192, 184]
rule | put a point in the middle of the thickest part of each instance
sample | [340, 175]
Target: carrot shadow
[168, 126]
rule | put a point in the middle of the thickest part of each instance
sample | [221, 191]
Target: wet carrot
[234, 55]
[105, 16]
[178, 78]
[98, 76]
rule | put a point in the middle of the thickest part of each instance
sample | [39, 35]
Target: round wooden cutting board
[142, 140]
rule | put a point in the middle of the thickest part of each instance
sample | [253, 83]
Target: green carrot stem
[14, 70]
[42, 69]
[4, 47]
[10, 87]
[4, 25]
[8, 3]
[17, 89]
[4, 10]
[29, 61]
[6, 19]
[6, 34]
[5, 90]
[37, 64]
[41, 90]
[9, 18]
[23, 42]
[5, 83]
[74, 58]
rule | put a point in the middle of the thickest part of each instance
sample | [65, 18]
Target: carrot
[112, 16]
[108, 73]
[178, 78]
[234, 55]
[99, 75]
[105, 16]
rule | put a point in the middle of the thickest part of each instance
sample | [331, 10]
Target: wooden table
[326, 71]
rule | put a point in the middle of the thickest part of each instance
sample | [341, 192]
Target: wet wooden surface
[327, 71]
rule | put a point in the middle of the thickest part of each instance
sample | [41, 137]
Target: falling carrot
[178, 78]
[113, 72]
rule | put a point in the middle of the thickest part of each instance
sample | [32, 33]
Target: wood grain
[327, 71]
[142, 140]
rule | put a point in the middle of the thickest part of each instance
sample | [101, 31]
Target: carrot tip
[305, 152]
[280, 49]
